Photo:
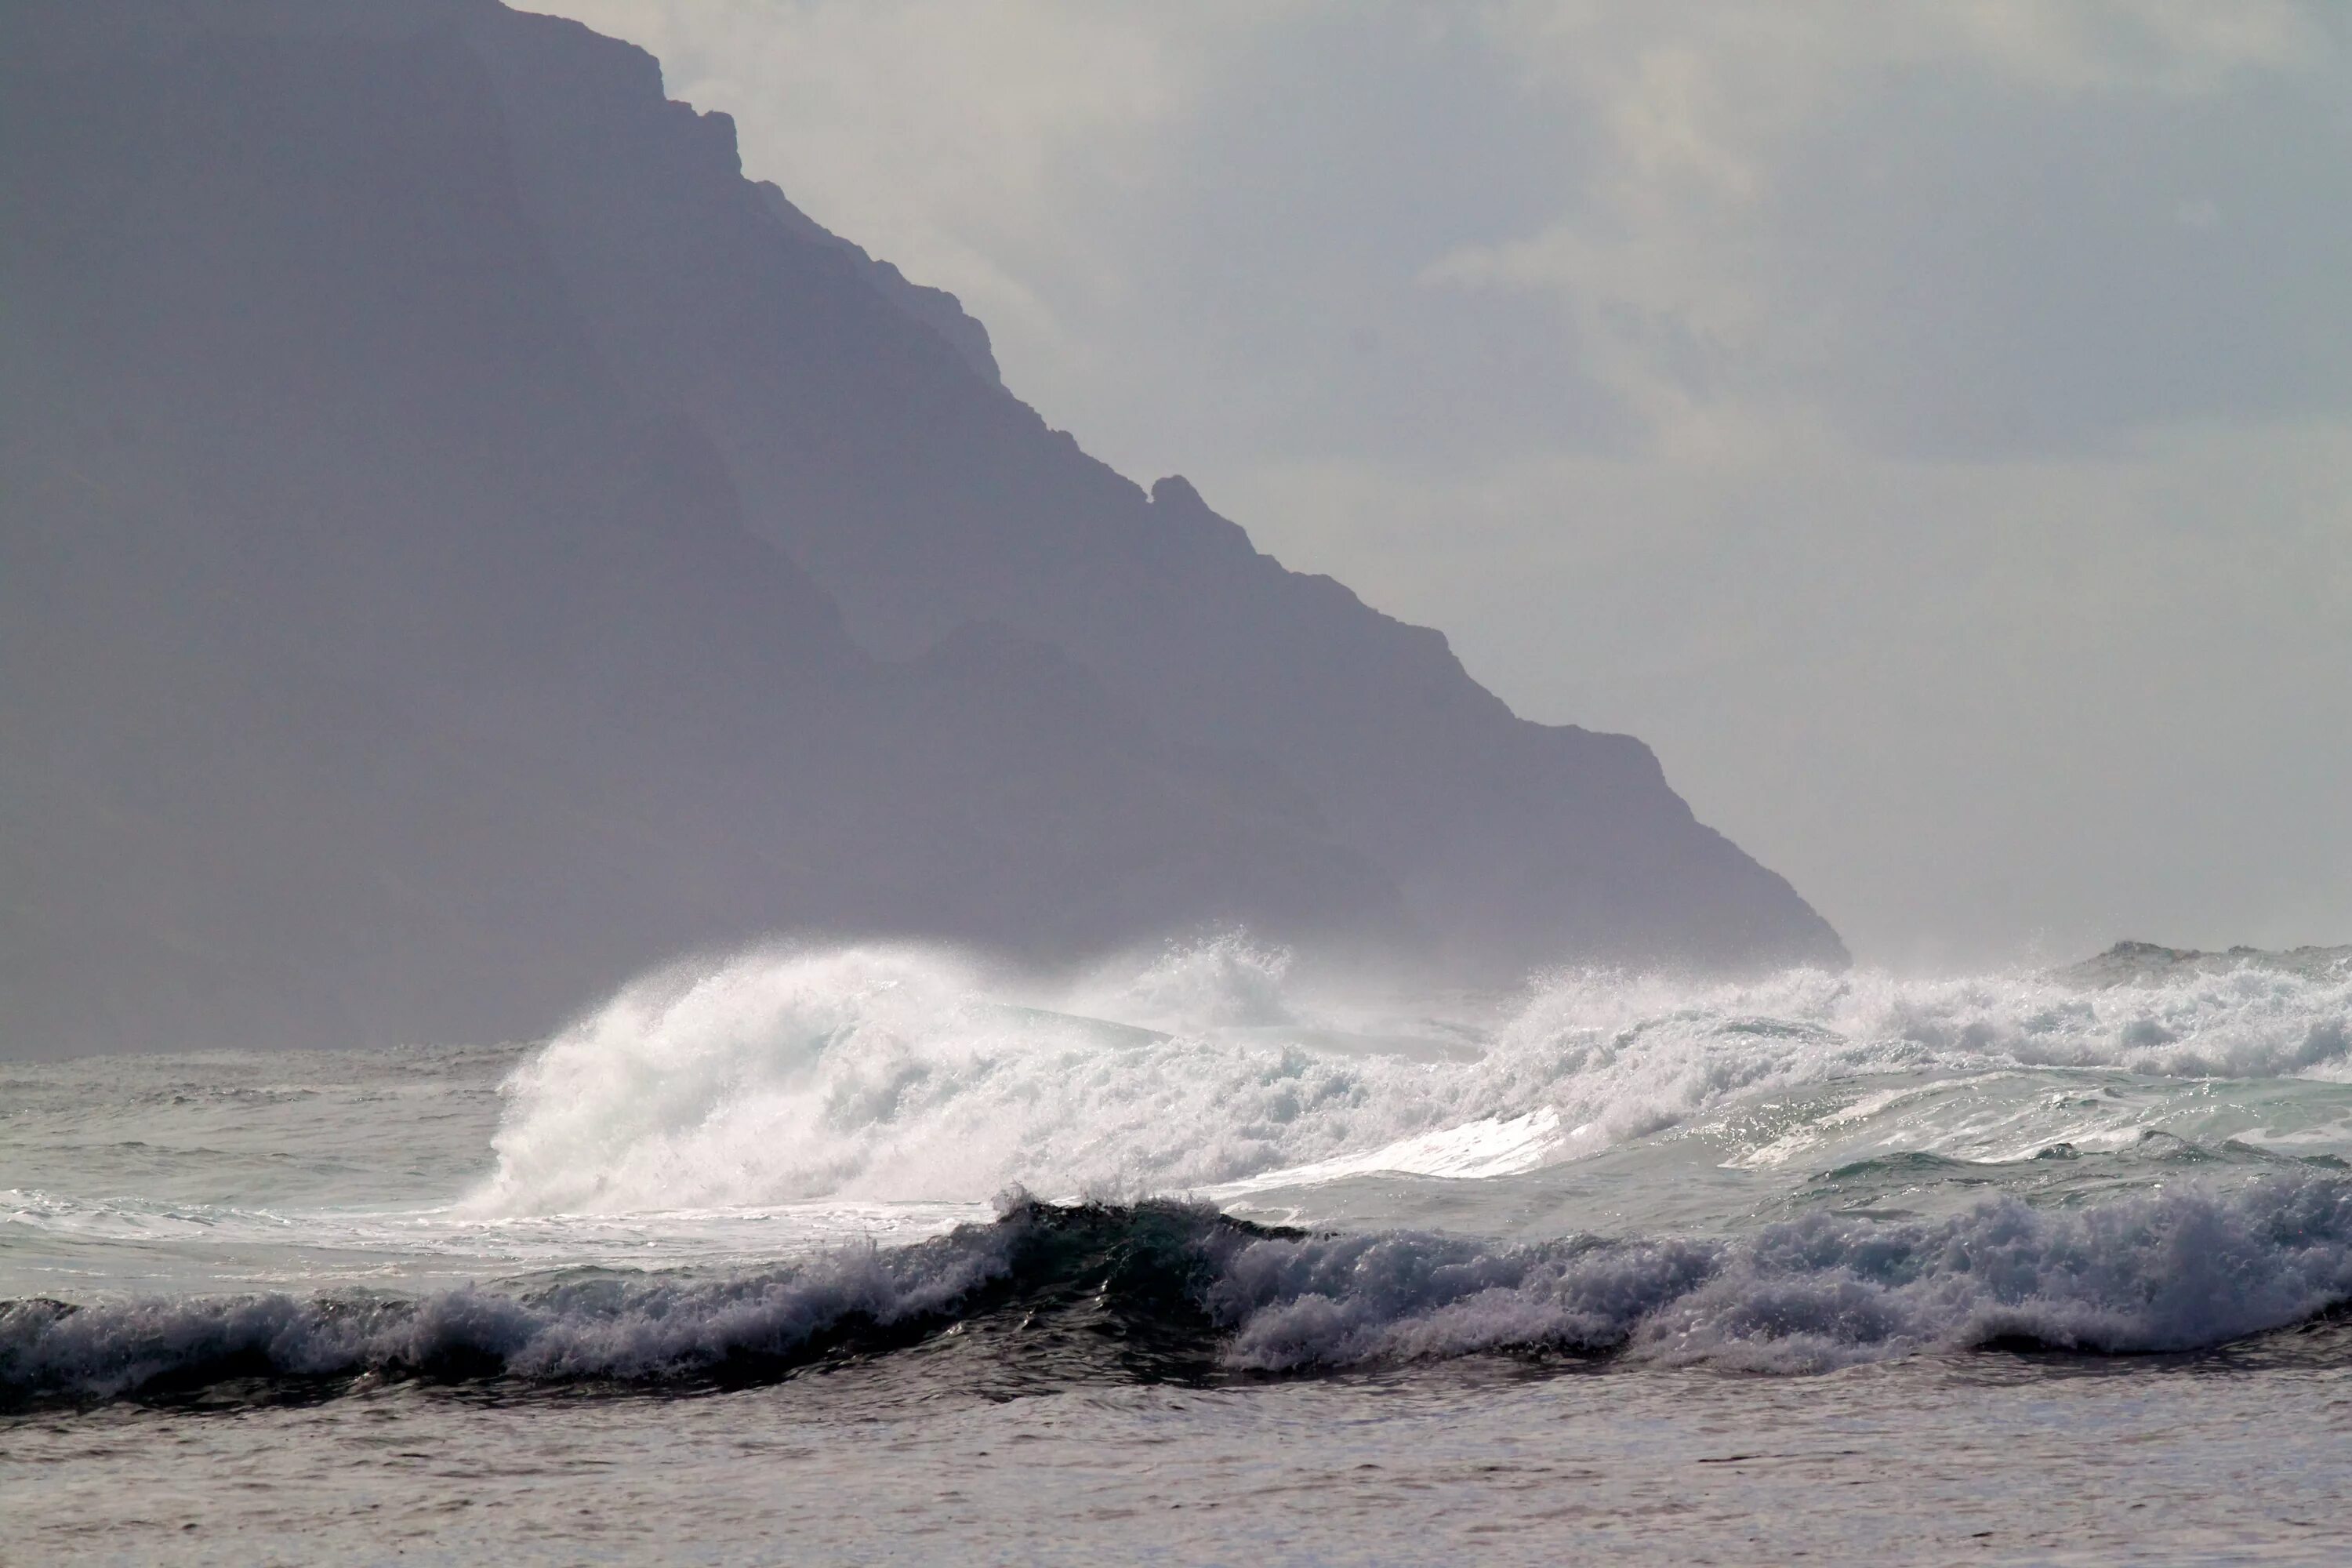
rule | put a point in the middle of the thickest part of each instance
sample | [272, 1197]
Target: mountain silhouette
[461, 542]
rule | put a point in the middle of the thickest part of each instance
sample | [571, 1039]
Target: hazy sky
[1929, 427]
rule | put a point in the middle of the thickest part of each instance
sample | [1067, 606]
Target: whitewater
[913, 1207]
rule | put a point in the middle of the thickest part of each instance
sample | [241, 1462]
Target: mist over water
[896, 1074]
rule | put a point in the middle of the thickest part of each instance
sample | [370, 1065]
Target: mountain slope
[461, 543]
[378, 667]
[922, 495]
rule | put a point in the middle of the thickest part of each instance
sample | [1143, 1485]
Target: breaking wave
[1162, 1289]
[906, 1074]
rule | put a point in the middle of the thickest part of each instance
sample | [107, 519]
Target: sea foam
[2170, 1270]
[2175, 1269]
[897, 1073]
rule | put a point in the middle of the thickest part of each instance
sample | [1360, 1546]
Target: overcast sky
[1928, 426]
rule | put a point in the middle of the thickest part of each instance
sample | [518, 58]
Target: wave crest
[1180, 1289]
[902, 1074]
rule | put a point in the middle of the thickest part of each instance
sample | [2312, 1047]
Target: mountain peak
[1176, 491]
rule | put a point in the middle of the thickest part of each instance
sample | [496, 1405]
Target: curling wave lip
[1179, 1289]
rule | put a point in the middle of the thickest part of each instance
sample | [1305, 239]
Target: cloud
[1950, 228]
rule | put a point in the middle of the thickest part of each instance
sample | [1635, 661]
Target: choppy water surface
[876, 1247]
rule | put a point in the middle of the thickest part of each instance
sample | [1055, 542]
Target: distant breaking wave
[2138, 1162]
[1164, 1290]
[904, 1073]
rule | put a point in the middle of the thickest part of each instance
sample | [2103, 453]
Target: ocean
[878, 1254]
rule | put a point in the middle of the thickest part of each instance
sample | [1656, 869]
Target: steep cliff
[375, 665]
[461, 542]
[922, 495]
